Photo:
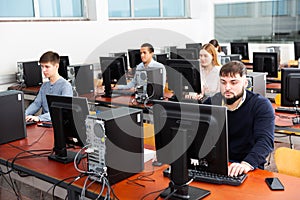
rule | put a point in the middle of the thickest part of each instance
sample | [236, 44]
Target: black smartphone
[47, 125]
[274, 183]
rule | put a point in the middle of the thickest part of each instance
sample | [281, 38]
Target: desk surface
[51, 171]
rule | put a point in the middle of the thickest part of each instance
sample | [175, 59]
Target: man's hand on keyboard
[236, 169]
[32, 118]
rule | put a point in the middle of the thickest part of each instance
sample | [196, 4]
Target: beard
[230, 101]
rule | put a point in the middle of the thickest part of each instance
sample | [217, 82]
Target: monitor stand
[179, 185]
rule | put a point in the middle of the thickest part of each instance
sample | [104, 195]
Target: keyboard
[291, 110]
[30, 123]
[123, 92]
[208, 177]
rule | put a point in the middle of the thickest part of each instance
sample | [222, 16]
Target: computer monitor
[290, 87]
[82, 78]
[63, 66]
[183, 76]
[31, 73]
[113, 72]
[124, 55]
[68, 116]
[224, 49]
[188, 54]
[197, 46]
[240, 48]
[150, 82]
[161, 58]
[266, 62]
[134, 57]
[297, 49]
[190, 136]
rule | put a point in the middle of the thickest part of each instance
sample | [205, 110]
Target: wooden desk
[121, 100]
[27, 90]
[273, 87]
[254, 186]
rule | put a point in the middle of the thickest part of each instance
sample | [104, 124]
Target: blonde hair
[211, 50]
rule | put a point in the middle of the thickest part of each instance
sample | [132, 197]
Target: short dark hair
[49, 56]
[232, 68]
[150, 47]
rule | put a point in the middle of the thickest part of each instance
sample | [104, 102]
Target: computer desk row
[134, 187]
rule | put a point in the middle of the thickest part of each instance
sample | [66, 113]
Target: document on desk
[148, 154]
[283, 121]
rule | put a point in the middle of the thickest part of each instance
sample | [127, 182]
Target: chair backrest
[288, 161]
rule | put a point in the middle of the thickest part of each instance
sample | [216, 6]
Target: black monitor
[150, 82]
[297, 49]
[190, 136]
[290, 87]
[197, 46]
[32, 73]
[224, 49]
[82, 78]
[183, 76]
[266, 62]
[134, 57]
[188, 54]
[113, 72]
[124, 55]
[161, 58]
[68, 115]
[63, 66]
[240, 48]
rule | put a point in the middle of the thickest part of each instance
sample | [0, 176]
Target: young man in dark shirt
[250, 120]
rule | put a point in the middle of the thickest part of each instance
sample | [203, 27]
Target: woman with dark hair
[218, 48]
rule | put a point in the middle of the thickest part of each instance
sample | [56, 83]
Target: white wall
[85, 41]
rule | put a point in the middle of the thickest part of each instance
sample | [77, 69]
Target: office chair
[287, 161]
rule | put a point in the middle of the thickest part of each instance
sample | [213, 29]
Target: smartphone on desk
[43, 124]
[274, 183]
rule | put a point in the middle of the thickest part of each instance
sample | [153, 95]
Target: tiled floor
[26, 192]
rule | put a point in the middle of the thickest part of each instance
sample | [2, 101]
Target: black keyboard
[30, 123]
[203, 176]
[291, 110]
[123, 92]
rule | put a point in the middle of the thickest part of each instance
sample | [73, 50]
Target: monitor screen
[194, 46]
[134, 57]
[68, 115]
[32, 73]
[113, 72]
[290, 86]
[183, 76]
[191, 136]
[124, 55]
[240, 48]
[266, 62]
[188, 54]
[82, 78]
[63, 66]
[150, 81]
[297, 49]
[161, 58]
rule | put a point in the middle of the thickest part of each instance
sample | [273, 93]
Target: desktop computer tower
[150, 84]
[116, 143]
[29, 73]
[12, 122]
[82, 78]
[257, 82]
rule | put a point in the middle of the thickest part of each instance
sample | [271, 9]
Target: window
[16, 8]
[261, 21]
[60, 8]
[41, 9]
[146, 8]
